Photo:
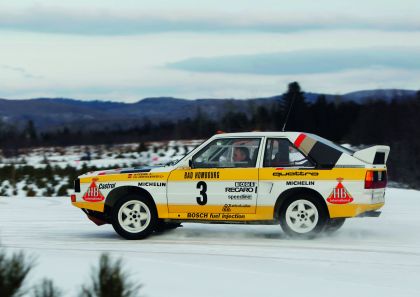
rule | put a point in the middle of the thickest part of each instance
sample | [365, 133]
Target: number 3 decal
[203, 187]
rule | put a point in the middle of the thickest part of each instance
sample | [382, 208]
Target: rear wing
[376, 155]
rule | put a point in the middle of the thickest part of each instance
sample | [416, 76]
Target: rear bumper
[352, 210]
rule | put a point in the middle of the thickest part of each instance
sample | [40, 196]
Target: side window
[280, 152]
[228, 153]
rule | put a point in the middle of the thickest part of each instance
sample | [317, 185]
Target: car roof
[259, 134]
[292, 135]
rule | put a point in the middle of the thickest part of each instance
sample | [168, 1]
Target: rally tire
[303, 216]
[134, 217]
[333, 225]
[162, 226]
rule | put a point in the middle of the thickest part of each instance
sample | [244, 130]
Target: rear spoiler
[376, 155]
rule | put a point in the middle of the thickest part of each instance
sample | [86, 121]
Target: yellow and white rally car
[304, 182]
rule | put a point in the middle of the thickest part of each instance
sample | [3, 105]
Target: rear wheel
[302, 216]
[134, 217]
[333, 225]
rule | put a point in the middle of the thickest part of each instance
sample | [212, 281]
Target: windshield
[182, 157]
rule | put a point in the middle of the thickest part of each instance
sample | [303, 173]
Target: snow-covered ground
[367, 257]
[117, 155]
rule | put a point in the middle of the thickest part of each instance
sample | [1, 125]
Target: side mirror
[190, 163]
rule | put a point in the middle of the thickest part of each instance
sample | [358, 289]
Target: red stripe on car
[299, 140]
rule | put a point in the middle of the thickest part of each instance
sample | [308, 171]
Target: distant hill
[49, 114]
[387, 95]
[52, 113]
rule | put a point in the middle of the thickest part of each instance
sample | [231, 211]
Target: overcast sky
[126, 50]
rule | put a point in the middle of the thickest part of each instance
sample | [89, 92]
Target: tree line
[376, 121]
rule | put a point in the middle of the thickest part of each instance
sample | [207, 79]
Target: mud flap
[96, 217]
[371, 214]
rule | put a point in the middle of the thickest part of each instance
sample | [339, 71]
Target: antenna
[288, 112]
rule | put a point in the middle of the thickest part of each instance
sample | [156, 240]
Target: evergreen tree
[293, 108]
[30, 132]
[110, 280]
[46, 289]
[13, 273]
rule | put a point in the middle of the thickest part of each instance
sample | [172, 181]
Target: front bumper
[96, 206]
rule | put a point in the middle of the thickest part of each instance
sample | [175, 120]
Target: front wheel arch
[121, 192]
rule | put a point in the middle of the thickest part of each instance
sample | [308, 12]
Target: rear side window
[280, 152]
[327, 142]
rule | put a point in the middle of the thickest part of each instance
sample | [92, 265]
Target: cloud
[21, 71]
[305, 61]
[90, 21]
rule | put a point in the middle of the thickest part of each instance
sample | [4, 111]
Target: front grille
[77, 185]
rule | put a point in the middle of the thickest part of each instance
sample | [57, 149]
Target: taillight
[369, 180]
[73, 197]
[375, 179]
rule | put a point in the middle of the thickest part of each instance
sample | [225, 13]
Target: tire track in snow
[343, 260]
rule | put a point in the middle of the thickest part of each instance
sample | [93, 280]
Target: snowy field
[26, 174]
[117, 155]
[367, 257]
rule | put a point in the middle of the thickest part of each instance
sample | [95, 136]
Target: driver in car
[241, 157]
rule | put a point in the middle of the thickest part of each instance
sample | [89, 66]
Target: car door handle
[265, 187]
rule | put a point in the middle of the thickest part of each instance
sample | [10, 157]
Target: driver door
[223, 180]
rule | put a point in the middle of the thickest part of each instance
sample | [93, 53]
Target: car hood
[122, 170]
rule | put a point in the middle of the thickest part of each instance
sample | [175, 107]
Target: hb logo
[93, 192]
[340, 193]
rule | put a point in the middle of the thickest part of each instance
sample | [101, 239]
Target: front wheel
[134, 217]
[302, 217]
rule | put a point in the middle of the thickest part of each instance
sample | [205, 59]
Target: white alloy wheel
[302, 216]
[134, 216]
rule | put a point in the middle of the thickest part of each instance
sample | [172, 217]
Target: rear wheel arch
[290, 193]
[124, 191]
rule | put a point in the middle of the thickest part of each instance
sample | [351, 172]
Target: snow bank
[367, 257]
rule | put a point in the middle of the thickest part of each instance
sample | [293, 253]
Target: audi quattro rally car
[305, 183]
